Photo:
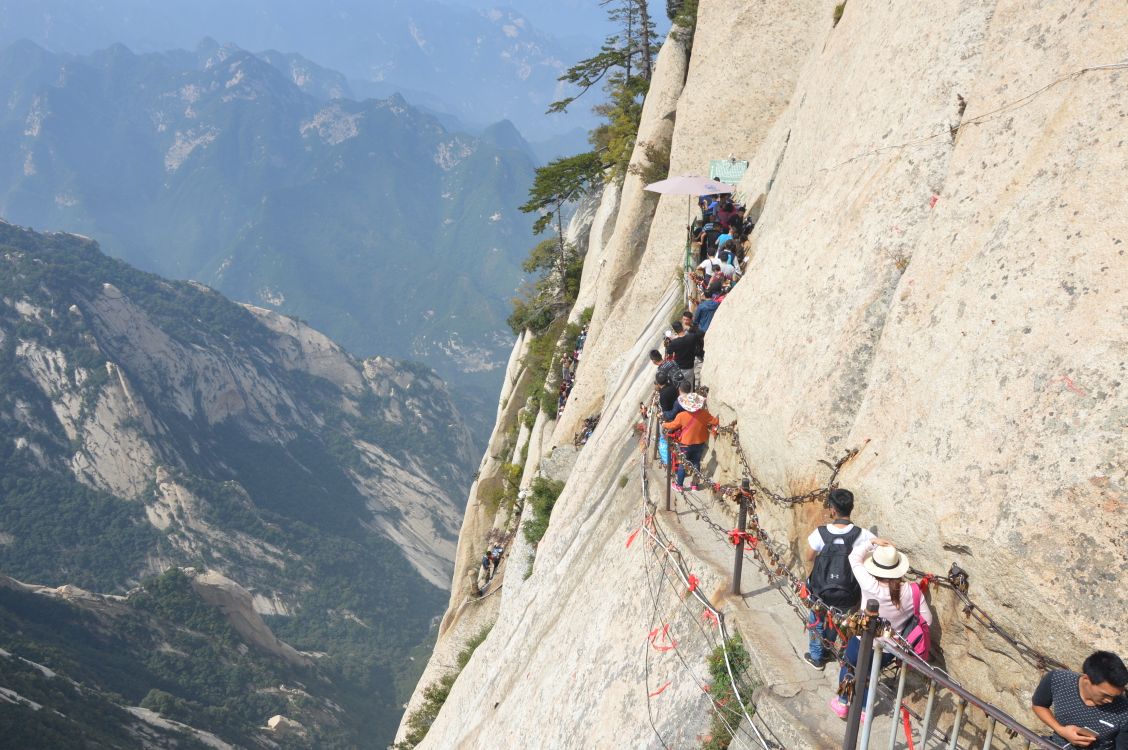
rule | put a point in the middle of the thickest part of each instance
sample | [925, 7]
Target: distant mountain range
[481, 64]
[369, 219]
[147, 425]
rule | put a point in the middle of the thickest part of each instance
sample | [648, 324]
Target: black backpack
[832, 579]
[673, 372]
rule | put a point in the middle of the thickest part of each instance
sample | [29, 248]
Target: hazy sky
[367, 40]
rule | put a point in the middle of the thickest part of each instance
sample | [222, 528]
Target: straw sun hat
[887, 562]
[692, 402]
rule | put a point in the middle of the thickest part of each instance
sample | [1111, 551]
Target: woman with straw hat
[880, 569]
[692, 426]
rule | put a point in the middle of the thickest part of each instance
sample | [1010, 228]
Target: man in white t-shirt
[832, 577]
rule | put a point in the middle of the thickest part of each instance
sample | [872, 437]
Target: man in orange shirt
[693, 425]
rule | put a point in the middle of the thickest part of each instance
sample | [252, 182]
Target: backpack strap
[916, 600]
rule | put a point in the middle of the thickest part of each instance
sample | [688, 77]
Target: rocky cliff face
[937, 280]
[150, 424]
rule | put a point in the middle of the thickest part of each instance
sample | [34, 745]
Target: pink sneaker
[839, 708]
[677, 487]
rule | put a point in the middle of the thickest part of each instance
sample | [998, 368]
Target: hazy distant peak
[504, 134]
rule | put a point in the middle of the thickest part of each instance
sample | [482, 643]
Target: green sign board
[728, 171]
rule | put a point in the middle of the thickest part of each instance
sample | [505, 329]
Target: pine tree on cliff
[624, 63]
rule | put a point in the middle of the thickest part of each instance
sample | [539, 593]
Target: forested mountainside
[368, 219]
[148, 425]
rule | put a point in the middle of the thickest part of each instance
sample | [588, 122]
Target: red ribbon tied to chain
[736, 536]
[693, 582]
[925, 583]
[660, 690]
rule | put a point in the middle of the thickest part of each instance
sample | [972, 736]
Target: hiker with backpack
[496, 551]
[832, 579]
[668, 370]
[880, 568]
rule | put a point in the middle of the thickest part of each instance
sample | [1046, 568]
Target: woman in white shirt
[880, 570]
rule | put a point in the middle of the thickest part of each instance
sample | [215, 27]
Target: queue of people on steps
[849, 564]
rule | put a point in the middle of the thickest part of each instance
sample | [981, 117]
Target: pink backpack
[916, 631]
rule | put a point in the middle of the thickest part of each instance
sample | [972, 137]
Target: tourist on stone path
[666, 366]
[709, 265]
[691, 328]
[1089, 709]
[691, 427]
[708, 238]
[718, 282]
[667, 396]
[880, 569]
[496, 551]
[683, 348]
[706, 308]
[724, 236]
[832, 580]
[483, 579]
[724, 216]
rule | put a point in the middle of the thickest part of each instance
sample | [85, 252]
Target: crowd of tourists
[568, 364]
[849, 564]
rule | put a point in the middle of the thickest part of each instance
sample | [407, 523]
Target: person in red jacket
[692, 426]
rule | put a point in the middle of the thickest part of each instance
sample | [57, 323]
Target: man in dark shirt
[667, 397]
[1086, 710]
[690, 327]
[683, 348]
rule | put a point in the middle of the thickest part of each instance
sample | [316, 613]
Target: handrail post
[871, 693]
[927, 714]
[669, 471]
[896, 724]
[742, 526]
[957, 724]
[865, 655]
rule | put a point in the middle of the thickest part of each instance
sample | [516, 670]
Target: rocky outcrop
[937, 280]
[150, 424]
[234, 602]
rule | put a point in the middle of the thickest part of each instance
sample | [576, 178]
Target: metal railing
[859, 729]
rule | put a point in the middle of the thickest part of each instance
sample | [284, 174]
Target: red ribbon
[908, 727]
[708, 616]
[660, 690]
[631, 538]
[652, 637]
[693, 582]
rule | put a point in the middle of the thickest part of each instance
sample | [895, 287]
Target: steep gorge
[937, 280]
[155, 427]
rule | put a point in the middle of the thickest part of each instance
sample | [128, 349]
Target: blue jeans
[816, 634]
[693, 454]
[860, 681]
